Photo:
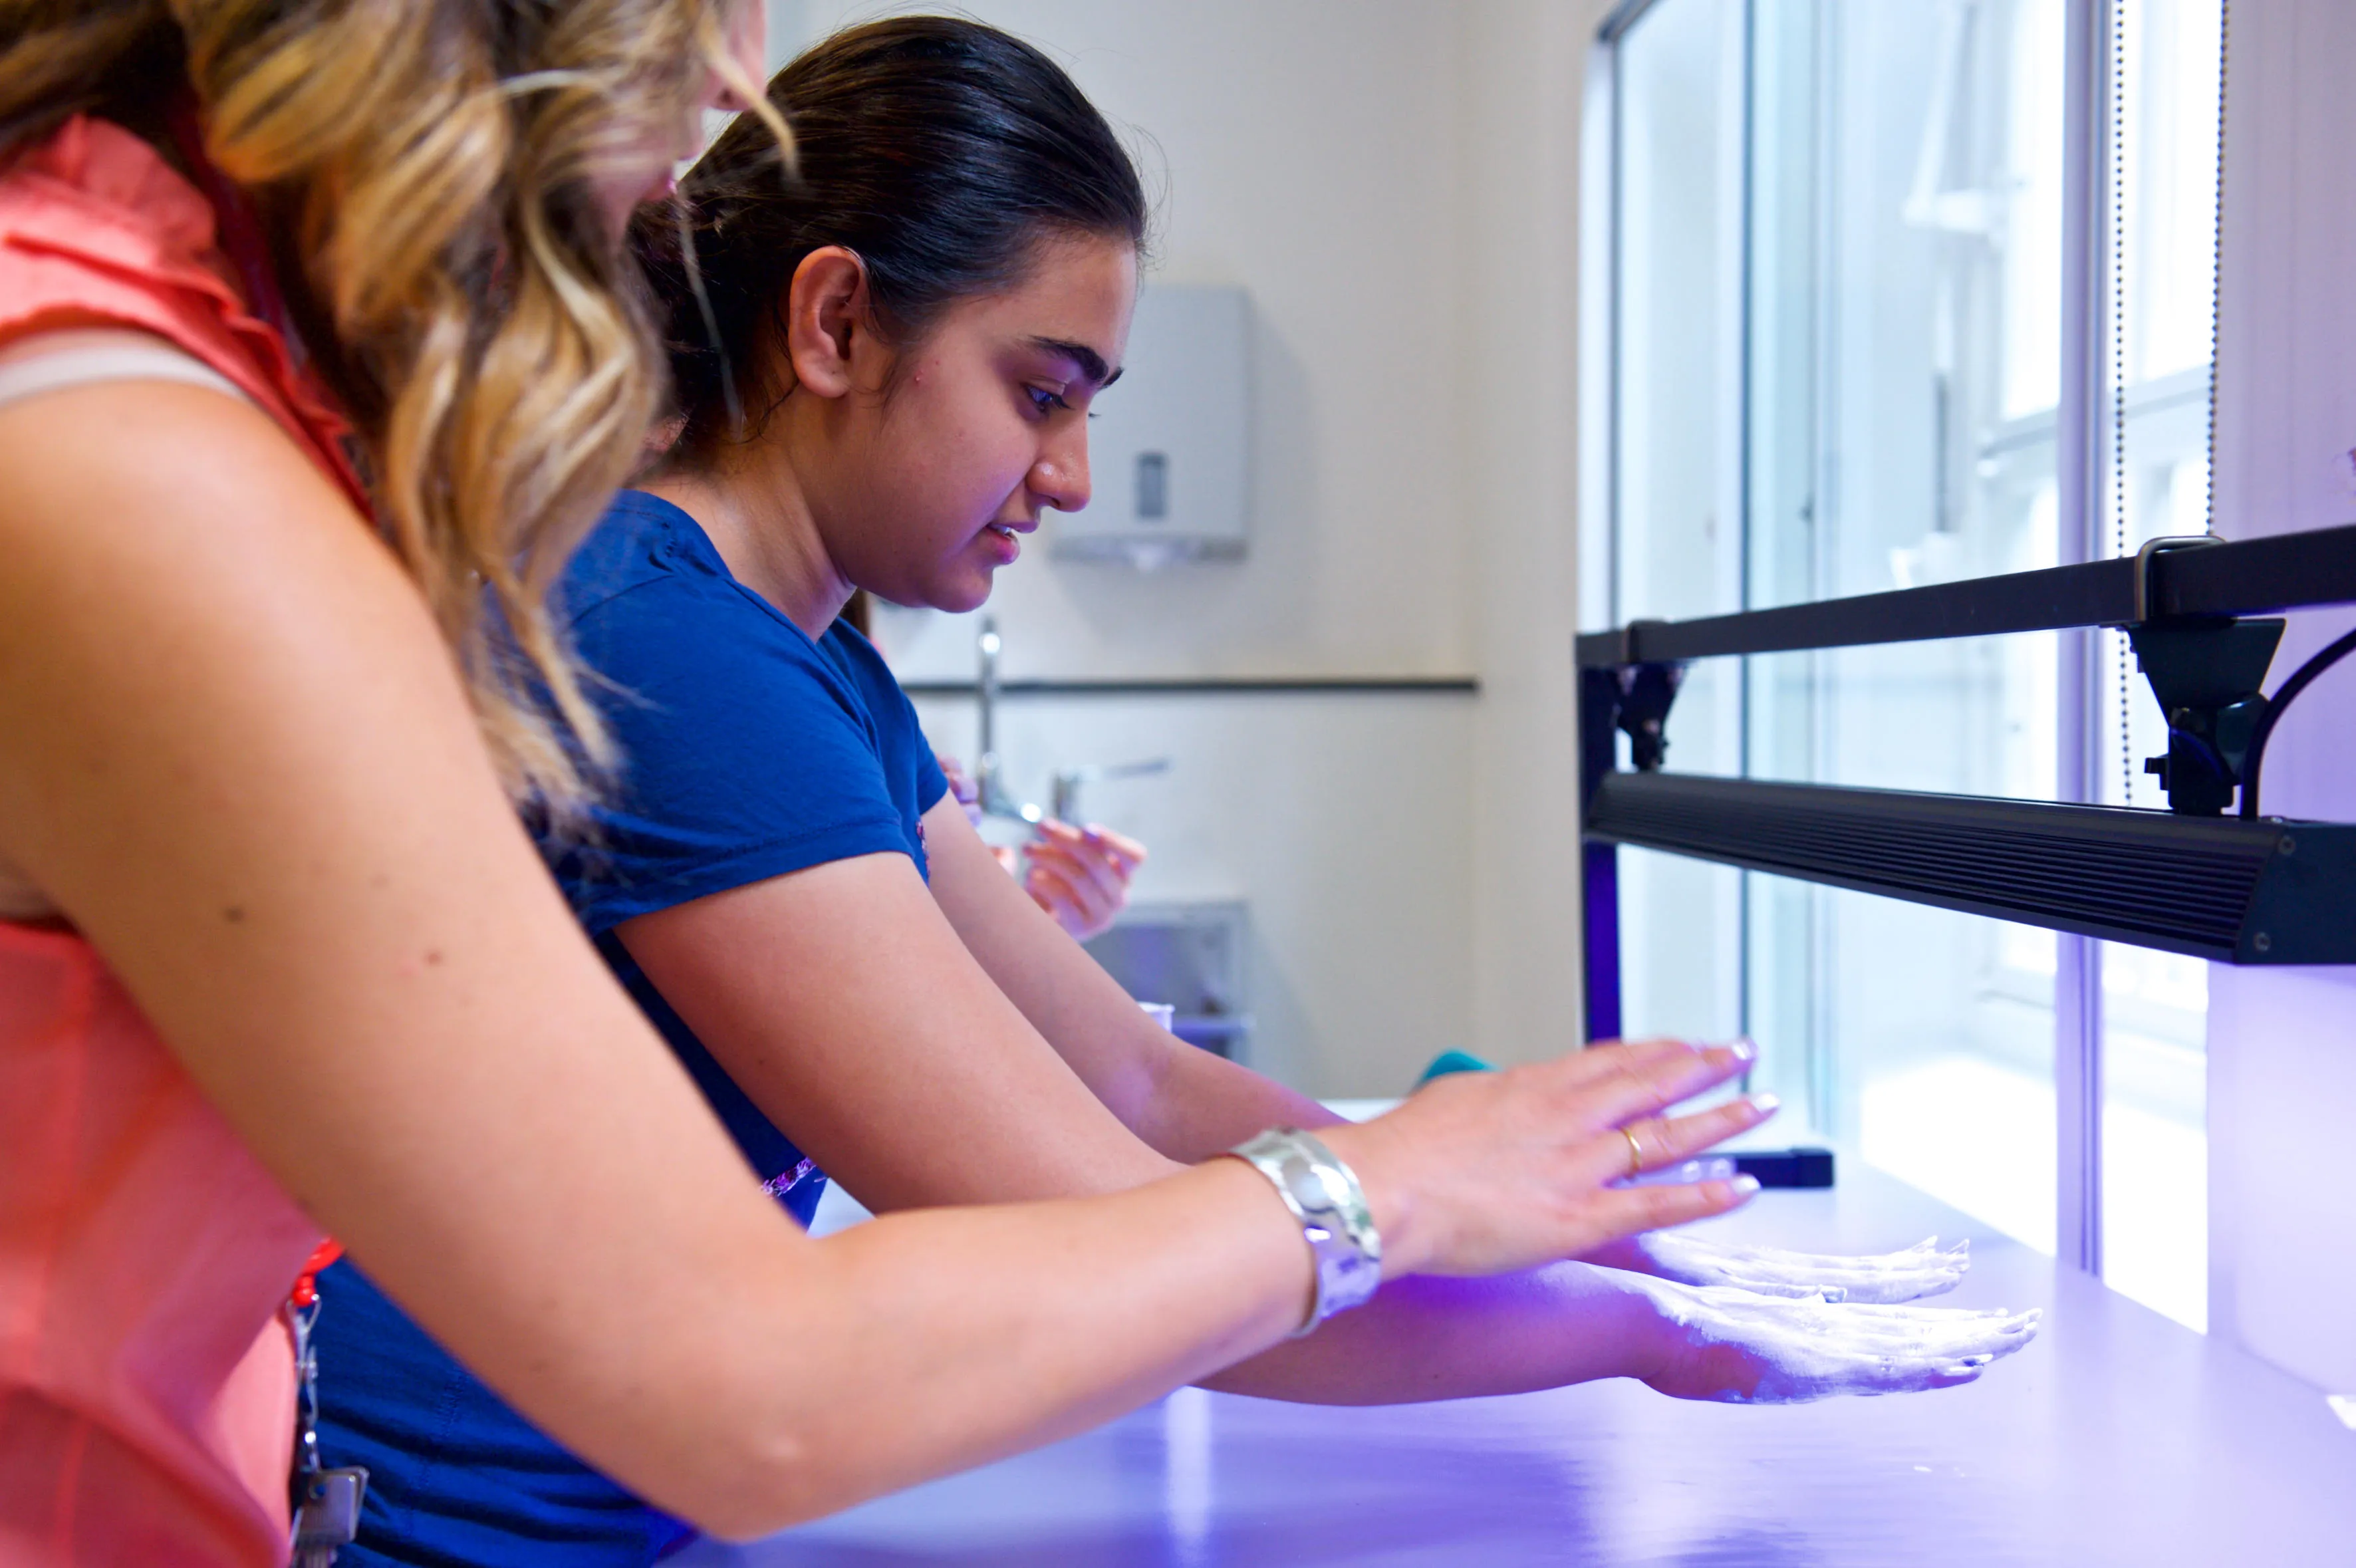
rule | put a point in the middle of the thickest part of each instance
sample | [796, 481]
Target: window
[1838, 354]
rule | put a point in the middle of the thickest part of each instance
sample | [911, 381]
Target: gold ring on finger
[1635, 1152]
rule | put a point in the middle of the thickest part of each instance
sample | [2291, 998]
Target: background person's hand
[1078, 876]
[1484, 1173]
[962, 786]
[1081, 876]
[1744, 1349]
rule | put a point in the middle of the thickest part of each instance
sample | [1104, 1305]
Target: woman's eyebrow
[1092, 367]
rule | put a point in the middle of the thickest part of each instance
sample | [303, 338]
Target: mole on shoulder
[234, 914]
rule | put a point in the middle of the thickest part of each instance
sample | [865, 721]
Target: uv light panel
[2268, 892]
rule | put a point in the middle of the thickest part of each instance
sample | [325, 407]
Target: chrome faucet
[987, 786]
[1066, 798]
[990, 791]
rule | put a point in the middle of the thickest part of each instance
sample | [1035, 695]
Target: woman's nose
[1060, 477]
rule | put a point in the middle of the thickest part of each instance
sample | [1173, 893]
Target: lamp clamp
[1646, 692]
[2205, 672]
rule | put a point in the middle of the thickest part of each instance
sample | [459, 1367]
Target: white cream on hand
[1921, 1269]
[1743, 1347]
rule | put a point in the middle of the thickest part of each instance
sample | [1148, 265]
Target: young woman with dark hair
[884, 371]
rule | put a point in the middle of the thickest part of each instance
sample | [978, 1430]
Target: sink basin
[1190, 955]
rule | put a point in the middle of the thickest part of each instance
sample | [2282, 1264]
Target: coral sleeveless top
[146, 1375]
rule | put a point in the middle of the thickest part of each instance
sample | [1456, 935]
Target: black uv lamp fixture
[2242, 889]
[2214, 887]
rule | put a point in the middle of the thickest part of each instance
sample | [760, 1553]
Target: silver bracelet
[1325, 1196]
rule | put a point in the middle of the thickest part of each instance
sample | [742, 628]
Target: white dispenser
[1169, 450]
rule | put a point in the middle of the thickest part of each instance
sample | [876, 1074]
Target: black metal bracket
[2204, 672]
[1646, 694]
[2146, 573]
[2205, 675]
[1632, 699]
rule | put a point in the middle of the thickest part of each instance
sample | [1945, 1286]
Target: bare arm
[233, 749]
[929, 1072]
[910, 1077]
[1199, 1102]
[1185, 1102]
[914, 1078]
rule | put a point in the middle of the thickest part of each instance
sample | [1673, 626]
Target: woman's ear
[826, 313]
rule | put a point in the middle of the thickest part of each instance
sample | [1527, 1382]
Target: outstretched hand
[1745, 1348]
[1486, 1173]
[1922, 1269]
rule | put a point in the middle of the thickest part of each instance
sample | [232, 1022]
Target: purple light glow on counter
[2118, 1437]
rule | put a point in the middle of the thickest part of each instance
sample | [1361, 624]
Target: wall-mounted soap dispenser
[1169, 449]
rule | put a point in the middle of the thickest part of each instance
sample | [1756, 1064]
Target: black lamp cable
[2300, 679]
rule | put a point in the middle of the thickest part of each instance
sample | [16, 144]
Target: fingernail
[1745, 1186]
[1764, 1103]
[1745, 1049]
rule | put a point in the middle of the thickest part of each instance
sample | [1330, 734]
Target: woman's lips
[1004, 536]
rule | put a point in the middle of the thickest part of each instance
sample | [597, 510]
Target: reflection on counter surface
[2118, 1439]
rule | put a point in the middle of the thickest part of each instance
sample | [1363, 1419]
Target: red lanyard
[306, 1283]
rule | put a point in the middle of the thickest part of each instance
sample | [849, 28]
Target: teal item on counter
[1447, 1062]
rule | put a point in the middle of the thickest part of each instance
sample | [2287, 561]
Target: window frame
[2081, 472]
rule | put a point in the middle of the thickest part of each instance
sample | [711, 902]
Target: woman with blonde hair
[316, 353]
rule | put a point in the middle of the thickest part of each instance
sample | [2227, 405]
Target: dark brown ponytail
[940, 151]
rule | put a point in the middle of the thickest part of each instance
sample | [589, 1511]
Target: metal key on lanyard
[330, 1515]
[326, 1502]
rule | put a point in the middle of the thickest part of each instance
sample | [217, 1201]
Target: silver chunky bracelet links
[1325, 1196]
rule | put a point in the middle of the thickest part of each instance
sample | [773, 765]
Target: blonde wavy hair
[423, 169]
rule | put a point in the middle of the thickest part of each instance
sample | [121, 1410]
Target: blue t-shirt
[748, 751]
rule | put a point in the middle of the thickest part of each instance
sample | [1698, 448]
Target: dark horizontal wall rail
[2221, 888]
[1210, 686]
[2256, 576]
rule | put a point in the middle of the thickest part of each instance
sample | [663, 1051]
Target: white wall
[1360, 963]
[2281, 1043]
[1395, 184]
[1523, 66]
